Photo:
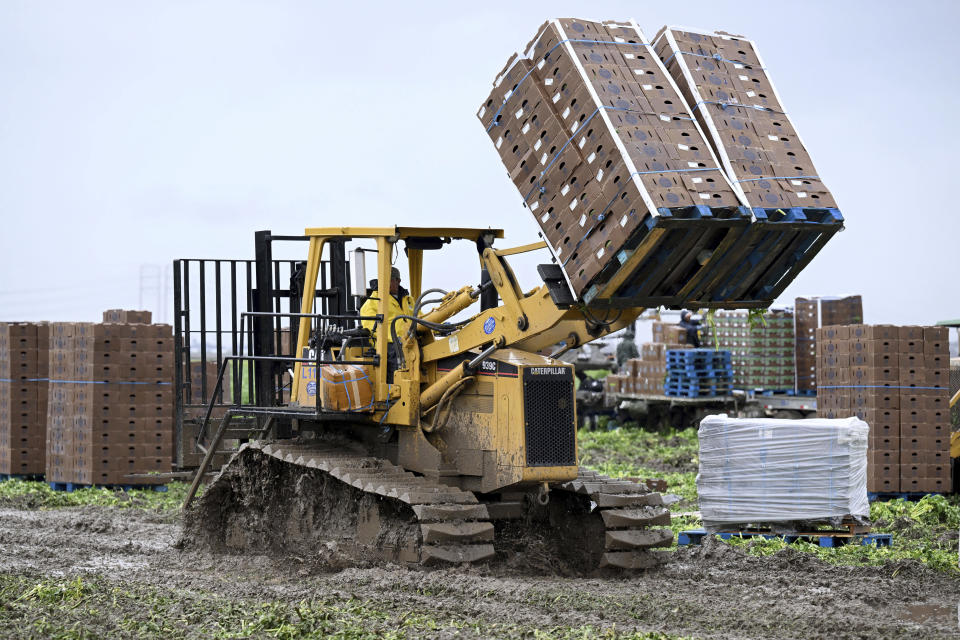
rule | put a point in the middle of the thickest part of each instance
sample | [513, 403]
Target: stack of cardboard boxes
[762, 349]
[23, 398]
[110, 411]
[811, 313]
[736, 103]
[896, 380]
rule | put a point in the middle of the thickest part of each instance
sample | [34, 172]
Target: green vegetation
[925, 531]
[91, 606]
[23, 494]
[626, 452]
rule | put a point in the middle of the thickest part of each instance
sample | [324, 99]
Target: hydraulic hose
[435, 326]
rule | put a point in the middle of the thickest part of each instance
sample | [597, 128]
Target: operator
[398, 303]
[692, 327]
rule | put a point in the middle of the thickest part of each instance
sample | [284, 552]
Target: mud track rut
[284, 495]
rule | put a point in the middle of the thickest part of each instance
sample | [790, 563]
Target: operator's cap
[394, 273]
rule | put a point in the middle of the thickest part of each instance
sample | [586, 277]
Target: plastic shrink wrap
[759, 470]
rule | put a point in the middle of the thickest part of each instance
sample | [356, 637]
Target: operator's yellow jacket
[394, 309]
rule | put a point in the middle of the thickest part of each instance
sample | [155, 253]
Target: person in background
[398, 304]
[627, 348]
[692, 327]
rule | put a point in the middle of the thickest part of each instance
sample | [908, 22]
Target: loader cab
[352, 344]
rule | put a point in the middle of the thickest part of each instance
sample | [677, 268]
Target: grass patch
[91, 606]
[626, 452]
[24, 494]
[925, 531]
[676, 451]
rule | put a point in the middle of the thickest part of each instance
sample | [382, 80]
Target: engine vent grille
[548, 410]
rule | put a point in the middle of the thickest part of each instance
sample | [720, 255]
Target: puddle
[924, 613]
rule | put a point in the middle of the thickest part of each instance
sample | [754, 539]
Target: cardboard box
[910, 346]
[872, 347]
[924, 430]
[924, 470]
[126, 316]
[925, 485]
[910, 333]
[882, 457]
[834, 332]
[924, 457]
[867, 332]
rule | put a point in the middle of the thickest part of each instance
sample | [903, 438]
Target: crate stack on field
[23, 398]
[626, 184]
[811, 313]
[761, 348]
[110, 409]
[698, 373]
[896, 380]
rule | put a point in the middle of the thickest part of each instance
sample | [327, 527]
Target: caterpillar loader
[469, 451]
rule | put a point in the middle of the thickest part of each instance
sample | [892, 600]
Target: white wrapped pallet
[761, 470]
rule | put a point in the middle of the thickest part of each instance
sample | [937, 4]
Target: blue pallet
[70, 487]
[696, 366]
[700, 211]
[683, 388]
[898, 495]
[786, 238]
[704, 393]
[693, 384]
[801, 215]
[20, 476]
[826, 539]
[699, 373]
[692, 354]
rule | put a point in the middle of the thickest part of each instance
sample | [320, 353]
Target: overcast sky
[134, 133]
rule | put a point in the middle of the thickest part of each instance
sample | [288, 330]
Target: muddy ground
[714, 591]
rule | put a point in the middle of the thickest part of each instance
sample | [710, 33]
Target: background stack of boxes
[23, 398]
[645, 375]
[762, 350]
[111, 396]
[811, 313]
[896, 380]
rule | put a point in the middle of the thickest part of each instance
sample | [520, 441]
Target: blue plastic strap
[517, 86]
[724, 105]
[715, 56]
[877, 386]
[779, 178]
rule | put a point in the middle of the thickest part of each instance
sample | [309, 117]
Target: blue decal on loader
[489, 325]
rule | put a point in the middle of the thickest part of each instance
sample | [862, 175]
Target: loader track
[627, 510]
[310, 497]
[406, 518]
